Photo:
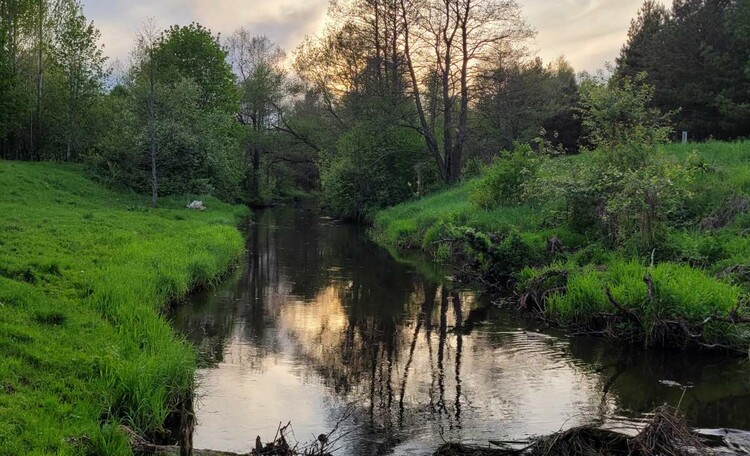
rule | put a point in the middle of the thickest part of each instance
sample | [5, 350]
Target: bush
[505, 180]
[630, 191]
[370, 169]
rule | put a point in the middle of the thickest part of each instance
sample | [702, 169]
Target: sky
[587, 32]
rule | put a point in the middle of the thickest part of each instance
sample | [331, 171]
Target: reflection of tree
[638, 380]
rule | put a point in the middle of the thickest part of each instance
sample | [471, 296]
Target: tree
[371, 168]
[448, 37]
[193, 52]
[146, 74]
[13, 102]
[184, 143]
[79, 58]
[517, 101]
[645, 45]
[258, 64]
[695, 55]
[52, 68]
[619, 118]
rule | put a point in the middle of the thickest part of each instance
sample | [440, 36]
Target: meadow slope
[85, 274]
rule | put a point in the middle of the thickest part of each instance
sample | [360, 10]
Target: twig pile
[666, 435]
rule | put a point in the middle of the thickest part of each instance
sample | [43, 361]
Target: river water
[320, 326]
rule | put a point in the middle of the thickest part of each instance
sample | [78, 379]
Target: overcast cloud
[587, 32]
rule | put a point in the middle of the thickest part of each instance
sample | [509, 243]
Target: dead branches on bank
[280, 446]
[667, 434]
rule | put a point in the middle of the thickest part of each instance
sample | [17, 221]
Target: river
[320, 326]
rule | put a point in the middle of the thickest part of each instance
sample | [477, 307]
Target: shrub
[505, 180]
[370, 169]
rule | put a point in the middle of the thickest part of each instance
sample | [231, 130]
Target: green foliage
[79, 58]
[373, 167]
[630, 190]
[517, 100]
[688, 183]
[56, 122]
[618, 118]
[192, 52]
[82, 284]
[498, 256]
[505, 180]
[198, 149]
[679, 291]
[696, 56]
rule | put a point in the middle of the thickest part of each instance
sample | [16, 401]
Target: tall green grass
[84, 275]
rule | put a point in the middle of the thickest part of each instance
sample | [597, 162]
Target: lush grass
[689, 261]
[408, 224]
[84, 275]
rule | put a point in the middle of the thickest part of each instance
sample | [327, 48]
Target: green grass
[679, 291]
[84, 275]
[406, 225]
[688, 262]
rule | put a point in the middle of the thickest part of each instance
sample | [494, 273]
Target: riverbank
[85, 273]
[686, 290]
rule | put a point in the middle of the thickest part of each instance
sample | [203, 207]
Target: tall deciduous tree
[145, 73]
[449, 38]
[257, 61]
[193, 52]
[79, 57]
[518, 100]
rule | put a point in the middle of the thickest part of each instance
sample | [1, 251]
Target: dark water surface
[319, 324]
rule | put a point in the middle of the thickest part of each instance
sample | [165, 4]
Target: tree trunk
[36, 145]
[463, 117]
[256, 157]
[445, 79]
[432, 145]
[152, 130]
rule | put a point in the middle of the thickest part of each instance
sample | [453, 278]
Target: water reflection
[319, 323]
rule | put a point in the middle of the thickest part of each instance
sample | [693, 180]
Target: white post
[684, 137]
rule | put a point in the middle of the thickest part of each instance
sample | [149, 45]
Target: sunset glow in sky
[588, 32]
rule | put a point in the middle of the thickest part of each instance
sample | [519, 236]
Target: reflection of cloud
[587, 32]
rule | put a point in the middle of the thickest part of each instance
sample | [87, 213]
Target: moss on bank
[84, 276]
[700, 269]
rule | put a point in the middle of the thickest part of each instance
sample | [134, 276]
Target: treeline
[51, 73]
[697, 56]
[393, 100]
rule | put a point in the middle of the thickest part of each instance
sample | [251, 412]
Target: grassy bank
[84, 275]
[698, 267]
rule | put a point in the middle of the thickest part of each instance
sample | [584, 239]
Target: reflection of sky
[512, 383]
[588, 32]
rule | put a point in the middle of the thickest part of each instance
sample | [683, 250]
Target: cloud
[286, 22]
[587, 32]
